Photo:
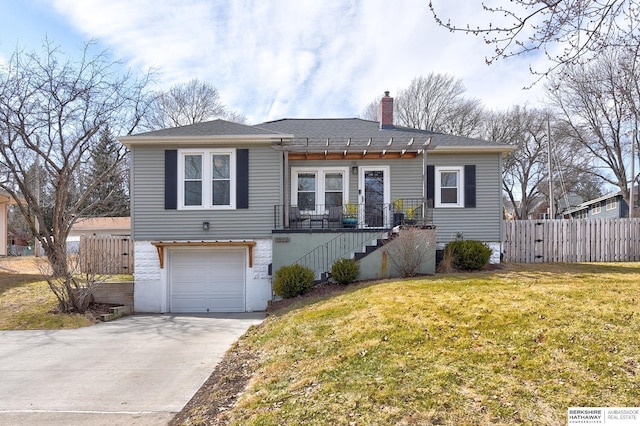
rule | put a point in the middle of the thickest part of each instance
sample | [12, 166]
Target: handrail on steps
[322, 257]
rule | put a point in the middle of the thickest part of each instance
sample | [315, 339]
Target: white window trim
[438, 192]
[207, 178]
[320, 173]
[597, 209]
[612, 204]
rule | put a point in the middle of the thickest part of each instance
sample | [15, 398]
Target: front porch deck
[353, 217]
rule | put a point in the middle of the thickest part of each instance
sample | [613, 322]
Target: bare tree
[525, 175]
[526, 167]
[52, 109]
[188, 103]
[569, 31]
[597, 115]
[435, 102]
[372, 111]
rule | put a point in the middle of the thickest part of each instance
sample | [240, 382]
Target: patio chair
[295, 217]
[335, 217]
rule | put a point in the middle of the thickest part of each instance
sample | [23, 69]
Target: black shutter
[171, 179]
[431, 183]
[470, 186]
[242, 179]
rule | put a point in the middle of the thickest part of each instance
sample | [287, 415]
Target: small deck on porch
[353, 217]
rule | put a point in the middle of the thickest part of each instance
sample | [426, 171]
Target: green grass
[513, 346]
[27, 303]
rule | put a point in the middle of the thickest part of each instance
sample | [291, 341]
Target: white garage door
[207, 280]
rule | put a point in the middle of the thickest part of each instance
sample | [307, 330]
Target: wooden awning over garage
[160, 245]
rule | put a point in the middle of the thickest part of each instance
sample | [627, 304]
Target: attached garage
[207, 279]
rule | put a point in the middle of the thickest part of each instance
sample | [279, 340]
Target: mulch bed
[95, 310]
[98, 309]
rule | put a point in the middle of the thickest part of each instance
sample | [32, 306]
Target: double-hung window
[612, 203]
[206, 179]
[448, 187]
[317, 189]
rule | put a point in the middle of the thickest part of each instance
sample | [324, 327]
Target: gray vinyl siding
[152, 222]
[482, 222]
[406, 175]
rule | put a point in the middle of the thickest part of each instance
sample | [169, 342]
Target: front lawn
[513, 346]
[27, 302]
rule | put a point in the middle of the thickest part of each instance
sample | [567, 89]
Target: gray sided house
[609, 206]
[218, 207]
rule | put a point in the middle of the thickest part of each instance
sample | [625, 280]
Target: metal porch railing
[404, 211]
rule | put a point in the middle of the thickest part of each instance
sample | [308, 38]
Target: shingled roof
[322, 135]
[208, 128]
[335, 135]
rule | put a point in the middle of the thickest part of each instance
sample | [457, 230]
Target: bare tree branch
[569, 31]
[52, 110]
[189, 103]
[435, 102]
[597, 113]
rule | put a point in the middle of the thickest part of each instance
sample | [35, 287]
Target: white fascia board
[505, 149]
[201, 140]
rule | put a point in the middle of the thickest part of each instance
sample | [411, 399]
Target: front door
[374, 196]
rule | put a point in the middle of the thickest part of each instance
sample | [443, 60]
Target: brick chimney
[386, 111]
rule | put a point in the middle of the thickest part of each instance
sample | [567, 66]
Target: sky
[280, 58]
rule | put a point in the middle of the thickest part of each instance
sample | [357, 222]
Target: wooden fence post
[106, 254]
[578, 240]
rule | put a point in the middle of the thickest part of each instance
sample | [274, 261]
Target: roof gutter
[201, 140]
[505, 149]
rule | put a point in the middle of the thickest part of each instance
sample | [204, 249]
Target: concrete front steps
[116, 312]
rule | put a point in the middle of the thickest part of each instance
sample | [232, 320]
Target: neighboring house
[97, 226]
[539, 206]
[5, 200]
[608, 206]
[564, 204]
[218, 207]
[19, 244]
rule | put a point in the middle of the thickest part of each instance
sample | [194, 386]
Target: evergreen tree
[110, 197]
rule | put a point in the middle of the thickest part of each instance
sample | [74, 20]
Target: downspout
[286, 187]
[424, 181]
[502, 242]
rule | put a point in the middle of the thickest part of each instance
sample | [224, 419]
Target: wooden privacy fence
[104, 254]
[577, 240]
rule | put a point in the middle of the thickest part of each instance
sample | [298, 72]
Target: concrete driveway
[138, 370]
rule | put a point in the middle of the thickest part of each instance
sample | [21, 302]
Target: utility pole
[551, 216]
[36, 241]
[633, 172]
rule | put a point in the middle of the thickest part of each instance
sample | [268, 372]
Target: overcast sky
[280, 58]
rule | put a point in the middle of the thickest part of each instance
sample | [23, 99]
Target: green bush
[293, 280]
[468, 255]
[345, 271]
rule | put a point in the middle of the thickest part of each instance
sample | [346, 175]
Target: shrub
[446, 263]
[469, 255]
[293, 280]
[410, 250]
[345, 271]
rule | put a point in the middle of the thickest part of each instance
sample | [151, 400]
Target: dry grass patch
[514, 346]
[26, 302]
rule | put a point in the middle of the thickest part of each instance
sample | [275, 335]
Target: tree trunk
[57, 256]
